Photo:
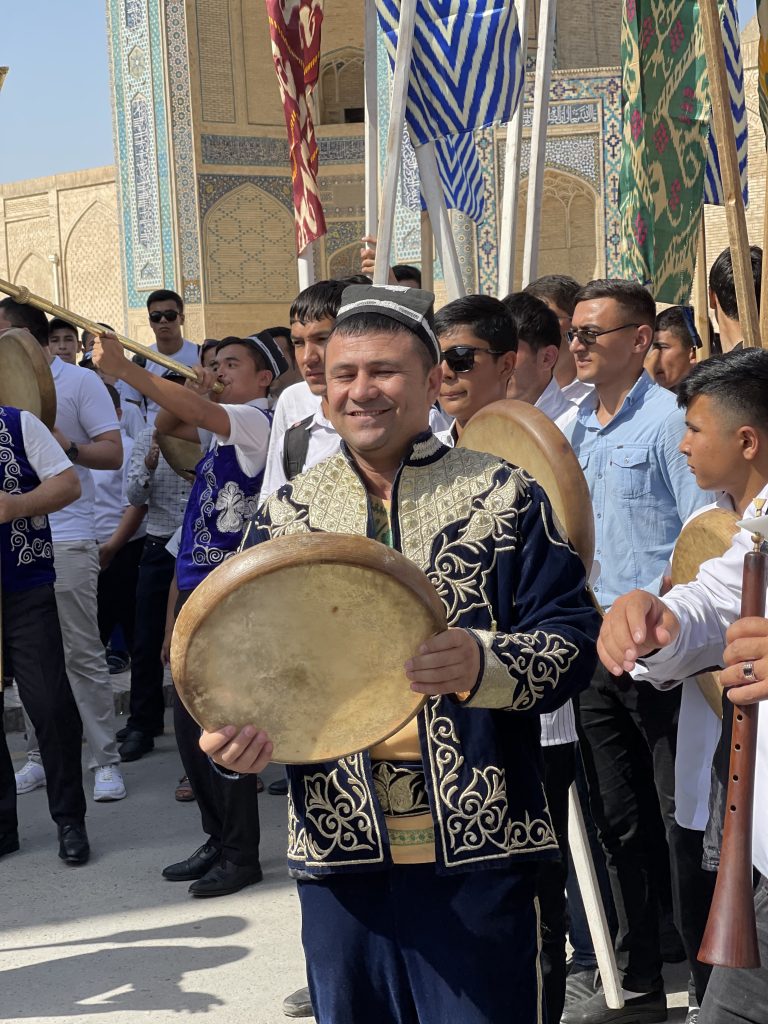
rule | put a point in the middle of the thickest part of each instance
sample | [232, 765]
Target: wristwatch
[72, 452]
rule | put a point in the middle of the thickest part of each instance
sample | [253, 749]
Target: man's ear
[507, 364]
[549, 356]
[434, 381]
[750, 440]
[643, 338]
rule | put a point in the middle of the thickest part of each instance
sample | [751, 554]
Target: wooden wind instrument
[730, 938]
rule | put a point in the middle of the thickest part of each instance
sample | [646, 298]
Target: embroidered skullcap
[411, 307]
[268, 347]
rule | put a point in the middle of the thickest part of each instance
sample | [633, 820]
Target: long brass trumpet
[21, 294]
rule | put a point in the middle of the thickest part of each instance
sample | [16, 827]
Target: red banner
[294, 27]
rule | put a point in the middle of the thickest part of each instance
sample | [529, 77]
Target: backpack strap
[295, 447]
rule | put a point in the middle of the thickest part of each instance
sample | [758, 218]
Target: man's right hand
[247, 752]
[637, 624]
[153, 455]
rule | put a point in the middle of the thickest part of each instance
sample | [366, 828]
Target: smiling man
[223, 497]
[418, 904]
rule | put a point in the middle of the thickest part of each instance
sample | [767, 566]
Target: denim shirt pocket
[630, 470]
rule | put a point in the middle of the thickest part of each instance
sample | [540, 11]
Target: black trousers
[628, 737]
[117, 592]
[741, 996]
[559, 772]
[33, 653]
[229, 808]
[155, 575]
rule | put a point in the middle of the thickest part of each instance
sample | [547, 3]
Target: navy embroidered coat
[484, 533]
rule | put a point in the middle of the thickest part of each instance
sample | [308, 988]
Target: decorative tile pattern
[212, 187]
[267, 151]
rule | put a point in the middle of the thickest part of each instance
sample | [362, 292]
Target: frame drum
[707, 536]
[524, 436]
[306, 637]
[26, 381]
[182, 456]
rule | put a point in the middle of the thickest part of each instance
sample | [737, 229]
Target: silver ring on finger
[748, 670]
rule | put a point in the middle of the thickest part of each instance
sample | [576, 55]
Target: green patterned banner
[665, 95]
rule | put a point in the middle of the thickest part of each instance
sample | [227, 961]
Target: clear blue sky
[55, 110]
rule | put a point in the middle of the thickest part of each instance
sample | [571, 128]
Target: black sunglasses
[164, 314]
[461, 358]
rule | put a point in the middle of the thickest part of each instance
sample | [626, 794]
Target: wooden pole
[701, 293]
[764, 277]
[427, 253]
[371, 123]
[510, 202]
[545, 55]
[722, 123]
[400, 81]
[432, 190]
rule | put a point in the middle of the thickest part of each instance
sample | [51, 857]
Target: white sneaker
[108, 783]
[31, 776]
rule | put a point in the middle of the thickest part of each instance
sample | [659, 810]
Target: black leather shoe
[135, 745]
[278, 788]
[122, 734]
[195, 866]
[73, 844]
[9, 842]
[298, 1004]
[225, 878]
[646, 1009]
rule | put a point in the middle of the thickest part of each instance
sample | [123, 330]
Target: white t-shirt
[111, 500]
[132, 421]
[553, 403]
[83, 411]
[294, 405]
[323, 442]
[188, 354]
[249, 433]
[44, 453]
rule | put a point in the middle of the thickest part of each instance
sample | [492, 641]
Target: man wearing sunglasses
[627, 440]
[166, 318]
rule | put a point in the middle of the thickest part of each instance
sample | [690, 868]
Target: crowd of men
[433, 870]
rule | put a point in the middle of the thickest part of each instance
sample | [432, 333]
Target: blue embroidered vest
[222, 500]
[26, 549]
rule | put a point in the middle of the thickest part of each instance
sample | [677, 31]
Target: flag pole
[764, 276]
[400, 81]
[510, 203]
[733, 200]
[371, 122]
[545, 56]
[701, 293]
[427, 253]
[434, 197]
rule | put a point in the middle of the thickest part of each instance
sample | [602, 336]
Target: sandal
[183, 791]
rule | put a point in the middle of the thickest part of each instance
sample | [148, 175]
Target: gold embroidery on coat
[338, 809]
[519, 666]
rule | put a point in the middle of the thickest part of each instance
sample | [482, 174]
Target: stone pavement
[114, 943]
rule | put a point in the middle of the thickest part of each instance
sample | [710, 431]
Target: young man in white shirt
[88, 431]
[165, 310]
[539, 341]
[63, 340]
[686, 631]
[223, 498]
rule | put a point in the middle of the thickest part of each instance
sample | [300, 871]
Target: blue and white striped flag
[466, 72]
[713, 184]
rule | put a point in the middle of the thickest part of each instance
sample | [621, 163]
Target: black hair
[114, 394]
[283, 332]
[405, 272]
[558, 288]
[21, 314]
[166, 295]
[737, 381]
[723, 285]
[57, 324]
[320, 301]
[534, 321]
[256, 355]
[637, 302]
[207, 344]
[674, 320]
[357, 279]
[486, 317]
[368, 323]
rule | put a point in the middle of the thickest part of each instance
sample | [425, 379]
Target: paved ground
[113, 943]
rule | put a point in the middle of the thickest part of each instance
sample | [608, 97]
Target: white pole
[434, 197]
[545, 55]
[510, 199]
[306, 266]
[593, 902]
[400, 82]
[371, 123]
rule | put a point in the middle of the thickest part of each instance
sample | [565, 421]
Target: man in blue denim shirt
[627, 440]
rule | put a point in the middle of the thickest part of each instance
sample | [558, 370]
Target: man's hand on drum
[447, 663]
[637, 624]
[746, 661]
[246, 751]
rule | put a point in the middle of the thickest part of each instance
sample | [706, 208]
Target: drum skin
[707, 536]
[26, 381]
[306, 637]
[523, 435]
